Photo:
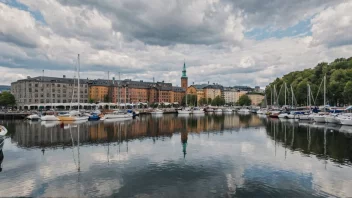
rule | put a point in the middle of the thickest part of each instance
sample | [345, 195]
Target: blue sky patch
[36, 14]
[300, 29]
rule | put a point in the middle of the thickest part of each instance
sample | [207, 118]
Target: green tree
[348, 92]
[91, 100]
[244, 100]
[218, 101]
[191, 100]
[202, 101]
[7, 99]
[107, 98]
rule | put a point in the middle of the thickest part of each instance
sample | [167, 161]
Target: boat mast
[119, 91]
[292, 96]
[285, 93]
[78, 91]
[324, 92]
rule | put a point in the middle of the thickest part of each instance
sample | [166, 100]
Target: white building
[230, 95]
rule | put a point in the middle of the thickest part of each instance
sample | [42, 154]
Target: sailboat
[50, 117]
[157, 111]
[321, 117]
[118, 115]
[185, 110]
[75, 115]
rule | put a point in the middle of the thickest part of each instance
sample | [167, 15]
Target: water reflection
[179, 156]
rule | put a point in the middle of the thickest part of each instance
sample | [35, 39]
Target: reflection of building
[256, 98]
[37, 135]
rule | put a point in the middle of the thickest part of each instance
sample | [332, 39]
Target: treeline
[338, 85]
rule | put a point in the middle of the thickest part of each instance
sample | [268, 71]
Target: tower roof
[184, 72]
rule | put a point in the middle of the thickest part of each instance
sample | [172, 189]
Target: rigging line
[277, 96]
[318, 92]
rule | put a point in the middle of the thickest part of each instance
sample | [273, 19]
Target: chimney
[64, 76]
[193, 83]
[153, 80]
[208, 82]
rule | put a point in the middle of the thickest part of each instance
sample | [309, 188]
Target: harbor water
[215, 155]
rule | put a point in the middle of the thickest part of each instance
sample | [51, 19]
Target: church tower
[184, 78]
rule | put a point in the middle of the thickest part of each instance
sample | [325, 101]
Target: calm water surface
[173, 156]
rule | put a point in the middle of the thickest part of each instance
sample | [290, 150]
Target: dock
[13, 115]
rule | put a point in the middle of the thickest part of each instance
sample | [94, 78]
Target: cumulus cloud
[145, 39]
[332, 26]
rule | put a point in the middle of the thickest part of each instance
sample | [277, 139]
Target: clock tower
[184, 78]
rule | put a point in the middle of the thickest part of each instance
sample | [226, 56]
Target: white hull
[346, 121]
[283, 115]
[243, 111]
[320, 119]
[227, 110]
[183, 112]
[262, 111]
[49, 118]
[332, 119]
[291, 116]
[3, 130]
[218, 111]
[33, 117]
[304, 117]
[117, 119]
[118, 116]
[197, 112]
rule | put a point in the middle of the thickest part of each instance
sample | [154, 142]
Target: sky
[230, 42]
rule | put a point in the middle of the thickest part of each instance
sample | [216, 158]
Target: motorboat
[33, 117]
[218, 110]
[262, 111]
[227, 110]
[3, 130]
[73, 116]
[197, 110]
[184, 111]
[157, 111]
[294, 114]
[274, 114]
[244, 110]
[304, 117]
[332, 118]
[93, 117]
[49, 118]
[49, 124]
[283, 115]
[118, 115]
[209, 110]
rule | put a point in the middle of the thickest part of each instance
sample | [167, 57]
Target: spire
[184, 75]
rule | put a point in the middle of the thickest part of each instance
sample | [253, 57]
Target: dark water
[171, 156]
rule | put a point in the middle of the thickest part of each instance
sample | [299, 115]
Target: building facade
[230, 95]
[256, 98]
[46, 90]
[238, 94]
[212, 91]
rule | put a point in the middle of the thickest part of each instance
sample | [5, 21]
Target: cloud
[332, 26]
[145, 39]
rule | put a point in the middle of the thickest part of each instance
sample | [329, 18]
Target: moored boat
[197, 110]
[3, 130]
[157, 111]
[118, 115]
[33, 117]
[49, 118]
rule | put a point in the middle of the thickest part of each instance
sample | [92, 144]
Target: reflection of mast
[275, 136]
[184, 138]
[293, 135]
[325, 129]
[309, 138]
[79, 163]
[285, 143]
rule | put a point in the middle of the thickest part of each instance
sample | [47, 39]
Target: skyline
[227, 42]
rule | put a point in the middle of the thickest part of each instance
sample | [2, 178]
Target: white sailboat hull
[197, 111]
[320, 119]
[346, 121]
[118, 116]
[33, 117]
[183, 112]
[332, 119]
[49, 118]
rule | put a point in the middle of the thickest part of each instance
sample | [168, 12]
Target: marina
[257, 156]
